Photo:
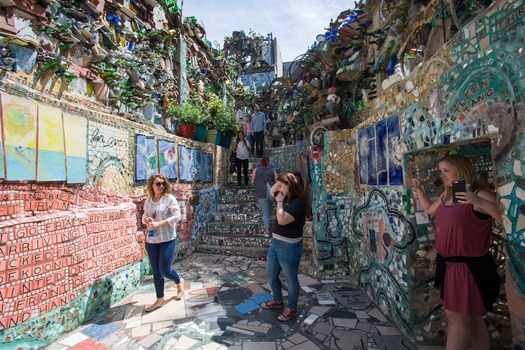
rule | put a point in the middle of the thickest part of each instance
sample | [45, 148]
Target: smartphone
[457, 186]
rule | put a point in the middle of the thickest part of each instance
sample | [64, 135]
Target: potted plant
[187, 117]
[202, 122]
[229, 128]
[216, 113]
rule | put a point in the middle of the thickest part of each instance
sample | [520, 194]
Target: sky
[295, 23]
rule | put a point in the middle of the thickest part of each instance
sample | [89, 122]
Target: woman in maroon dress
[462, 240]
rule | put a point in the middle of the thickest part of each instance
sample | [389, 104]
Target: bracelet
[279, 201]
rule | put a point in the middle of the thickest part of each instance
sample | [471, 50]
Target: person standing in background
[264, 177]
[248, 133]
[161, 214]
[258, 128]
[242, 150]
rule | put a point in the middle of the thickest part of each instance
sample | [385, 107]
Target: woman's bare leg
[458, 333]
[479, 335]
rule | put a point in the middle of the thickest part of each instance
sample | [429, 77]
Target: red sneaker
[287, 314]
[272, 305]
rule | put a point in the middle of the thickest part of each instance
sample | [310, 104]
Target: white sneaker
[267, 234]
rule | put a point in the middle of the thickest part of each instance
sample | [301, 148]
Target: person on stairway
[286, 247]
[258, 128]
[263, 177]
[465, 270]
[161, 214]
[247, 128]
[242, 151]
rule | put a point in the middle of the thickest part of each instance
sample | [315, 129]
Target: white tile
[74, 339]
[184, 343]
[171, 311]
[141, 331]
[122, 341]
[159, 325]
[196, 285]
[239, 330]
[213, 346]
[311, 319]
[134, 324]
[320, 310]
[150, 340]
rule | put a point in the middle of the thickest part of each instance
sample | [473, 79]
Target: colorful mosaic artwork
[146, 157]
[91, 244]
[197, 164]
[467, 99]
[51, 164]
[108, 157]
[19, 122]
[75, 131]
[167, 159]
[185, 164]
[207, 159]
[377, 154]
[208, 200]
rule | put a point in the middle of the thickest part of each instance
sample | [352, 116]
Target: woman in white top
[161, 214]
[242, 148]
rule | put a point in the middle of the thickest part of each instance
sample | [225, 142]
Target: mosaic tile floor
[220, 310]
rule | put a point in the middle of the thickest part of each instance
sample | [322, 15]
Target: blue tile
[261, 298]
[246, 307]
[101, 330]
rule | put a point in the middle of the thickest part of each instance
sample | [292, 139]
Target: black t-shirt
[297, 209]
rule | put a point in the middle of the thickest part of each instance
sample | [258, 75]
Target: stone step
[238, 207]
[246, 228]
[251, 252]
[238, 198]
[233, 190]
[234, 217]
[235, 240]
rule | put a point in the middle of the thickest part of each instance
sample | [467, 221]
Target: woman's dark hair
[299, 178]
[296, 190]
[239, 139]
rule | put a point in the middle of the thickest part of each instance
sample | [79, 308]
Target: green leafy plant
[230, 126]
[222, 118]
[187, 114]
[217, 112]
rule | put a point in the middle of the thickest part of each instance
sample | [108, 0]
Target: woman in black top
[287, 243]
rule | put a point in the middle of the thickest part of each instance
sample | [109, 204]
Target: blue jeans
[283, 256]
[250, 140]
[266, 207]
[160, 257]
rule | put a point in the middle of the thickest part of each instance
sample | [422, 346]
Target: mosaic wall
[204, 211]
[468, 98]
[70, 210]
[280, 157]
[42, 329]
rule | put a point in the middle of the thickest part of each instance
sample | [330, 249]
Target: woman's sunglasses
[160, 184]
